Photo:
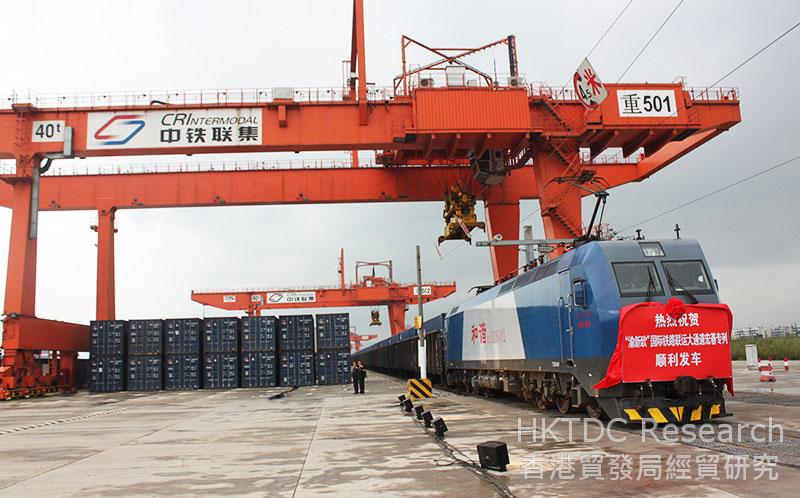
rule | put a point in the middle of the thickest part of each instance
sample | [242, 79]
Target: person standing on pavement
[362, 374]
[355, 374]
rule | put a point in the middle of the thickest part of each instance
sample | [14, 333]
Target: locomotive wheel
[594, 411]
[564, 404]
[540, 402]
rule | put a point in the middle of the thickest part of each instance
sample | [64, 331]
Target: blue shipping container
[106, 374]
[297, 368]
[221, 335]
[259, 333]
[333, 367]
[182, 336]
[107, 338]
[221, 371]
[296, 333]
[182, 372]
[333, 331]
[145, 337]
[145, 373]
[258, 369]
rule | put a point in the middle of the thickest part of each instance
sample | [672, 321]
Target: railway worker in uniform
[355, 374]
[362, 374]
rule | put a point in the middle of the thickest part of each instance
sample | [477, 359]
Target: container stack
[333, 349]
[145, 350]
[221, 353]
[182, 358]
[107, 355]
[259, 340]
[296, 350]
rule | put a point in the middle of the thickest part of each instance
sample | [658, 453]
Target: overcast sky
[749, 233]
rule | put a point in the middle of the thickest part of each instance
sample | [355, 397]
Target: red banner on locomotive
[660, 342]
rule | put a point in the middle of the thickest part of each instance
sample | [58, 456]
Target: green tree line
[776, 348]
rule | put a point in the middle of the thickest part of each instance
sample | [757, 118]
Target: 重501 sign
[174, 128]
[646, 103]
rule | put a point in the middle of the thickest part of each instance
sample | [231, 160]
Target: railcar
[549, 334]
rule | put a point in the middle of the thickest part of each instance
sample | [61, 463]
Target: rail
[220, 96]
[611, 157]
[8, 169]
[260, 96]
[713, 94]
[560, 93]
[203, 167]
[467, 79]
[700, 94]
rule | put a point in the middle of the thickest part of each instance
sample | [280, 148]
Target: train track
[750, 444]
[767, 398]
[785, 449]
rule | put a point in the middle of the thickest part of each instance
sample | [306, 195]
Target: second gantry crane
[368, 290]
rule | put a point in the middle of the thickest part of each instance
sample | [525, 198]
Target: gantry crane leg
[397, 317]
[23, 333]
[21, 276]
[502, 218]
[106, 303]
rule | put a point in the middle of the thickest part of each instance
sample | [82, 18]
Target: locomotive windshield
[637, 279]
[687, 276]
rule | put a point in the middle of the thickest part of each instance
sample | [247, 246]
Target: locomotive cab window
[687, 276]
[637, 279]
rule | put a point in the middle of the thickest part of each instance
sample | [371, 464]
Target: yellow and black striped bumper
[674, 414]
[419, 388]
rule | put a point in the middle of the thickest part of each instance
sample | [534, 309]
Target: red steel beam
[290, 186]
[505, 115]
[324, 298]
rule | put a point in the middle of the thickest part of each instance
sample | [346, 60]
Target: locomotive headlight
[652, 249]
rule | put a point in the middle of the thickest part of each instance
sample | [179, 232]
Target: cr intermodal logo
[120, 129]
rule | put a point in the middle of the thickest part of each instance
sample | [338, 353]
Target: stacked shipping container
[145, 351]
[107, 355]
[333, 349]
[221, 353]
[182, 353]
[296, 350]
[259, 339]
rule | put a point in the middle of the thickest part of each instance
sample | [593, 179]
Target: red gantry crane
[356, 339]
[368, 290]
[443, 131]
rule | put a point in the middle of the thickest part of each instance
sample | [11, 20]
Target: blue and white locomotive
[548, 334]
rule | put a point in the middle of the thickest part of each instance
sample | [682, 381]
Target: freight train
[550, 334]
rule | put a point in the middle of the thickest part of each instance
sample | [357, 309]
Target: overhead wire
[738, 182]
[602, 37]
[608, 29]
[712, 193]
[650, 41]
[739, 66]
[757, 53]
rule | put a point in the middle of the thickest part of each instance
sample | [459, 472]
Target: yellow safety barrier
[419, 388]
[671, 414]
